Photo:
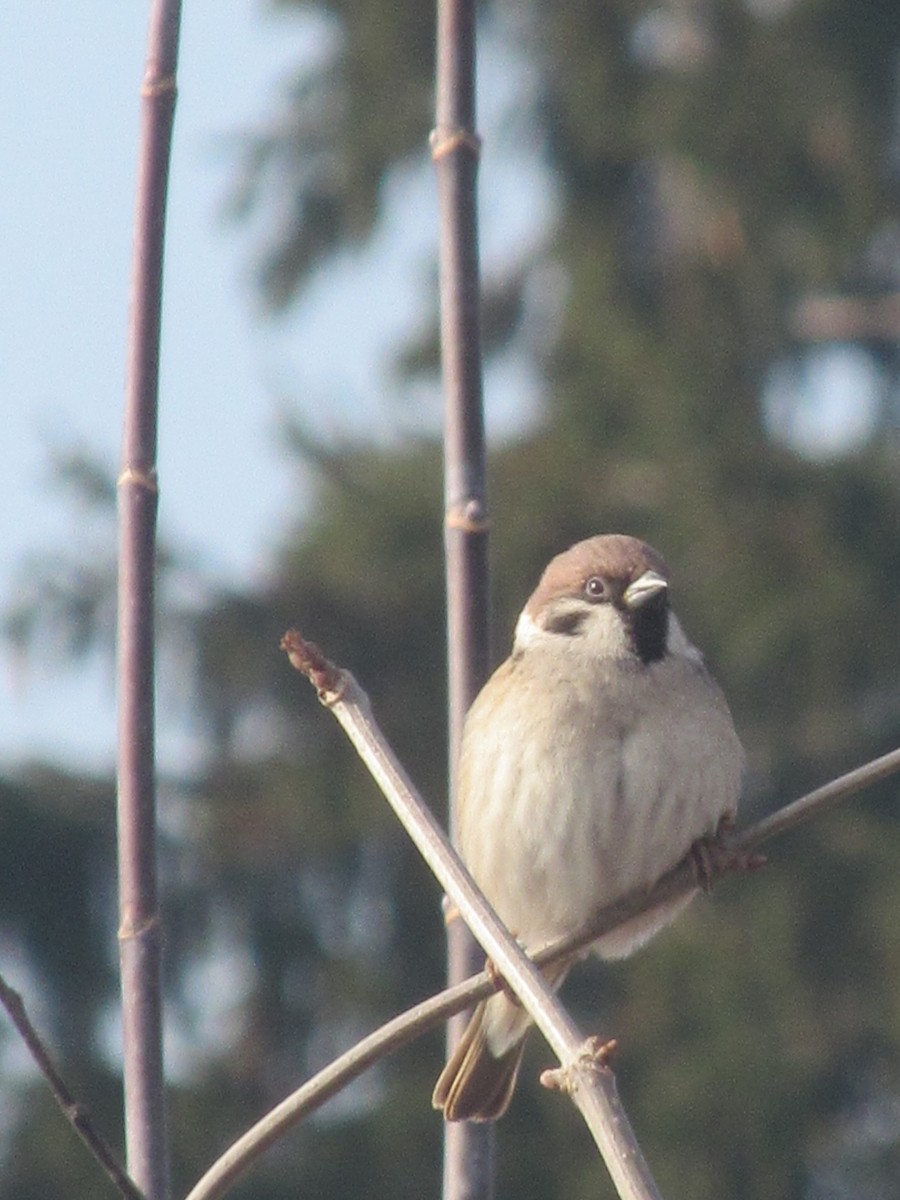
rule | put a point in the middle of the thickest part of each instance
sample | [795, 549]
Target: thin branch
[76, 1114]
[407, 1026]
[311, 1095]
[822, 797]
[140, 933]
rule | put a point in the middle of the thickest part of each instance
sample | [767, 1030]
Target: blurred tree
[714, 162]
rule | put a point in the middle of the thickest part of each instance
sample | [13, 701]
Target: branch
[76, 1114]
[332, 1079]
[411, 1024]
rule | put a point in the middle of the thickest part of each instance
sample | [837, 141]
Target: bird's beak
[646, 588]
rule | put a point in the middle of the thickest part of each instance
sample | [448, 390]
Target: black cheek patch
[566, 623]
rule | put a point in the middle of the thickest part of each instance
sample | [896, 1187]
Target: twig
[822, 797]
[332, 1079]
[140, 937]
[417, 1020]
[76, 1114]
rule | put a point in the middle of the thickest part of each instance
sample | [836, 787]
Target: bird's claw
[713, 856]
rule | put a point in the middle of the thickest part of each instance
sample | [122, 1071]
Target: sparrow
[591, 762]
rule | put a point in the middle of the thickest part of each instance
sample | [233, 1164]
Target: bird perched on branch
[592, 761]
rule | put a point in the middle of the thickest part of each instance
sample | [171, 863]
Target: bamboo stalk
[140, 934]
[468, 1149]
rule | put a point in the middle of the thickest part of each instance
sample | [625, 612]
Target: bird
[593, 759]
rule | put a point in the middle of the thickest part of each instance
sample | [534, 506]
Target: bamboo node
[141, 477]
[444, 141]
[129, 930]
[469, 517]
[164, 86]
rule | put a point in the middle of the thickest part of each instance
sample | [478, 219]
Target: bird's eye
[595, 588]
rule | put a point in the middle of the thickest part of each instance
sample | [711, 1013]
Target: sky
[69, 110]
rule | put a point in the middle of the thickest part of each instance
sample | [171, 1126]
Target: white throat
[603, 635]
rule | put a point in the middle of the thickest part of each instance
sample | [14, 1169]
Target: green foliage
[367, 101]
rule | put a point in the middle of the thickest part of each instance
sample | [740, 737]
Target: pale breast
[570, 798]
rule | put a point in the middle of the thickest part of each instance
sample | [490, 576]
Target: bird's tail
[479, 1079]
